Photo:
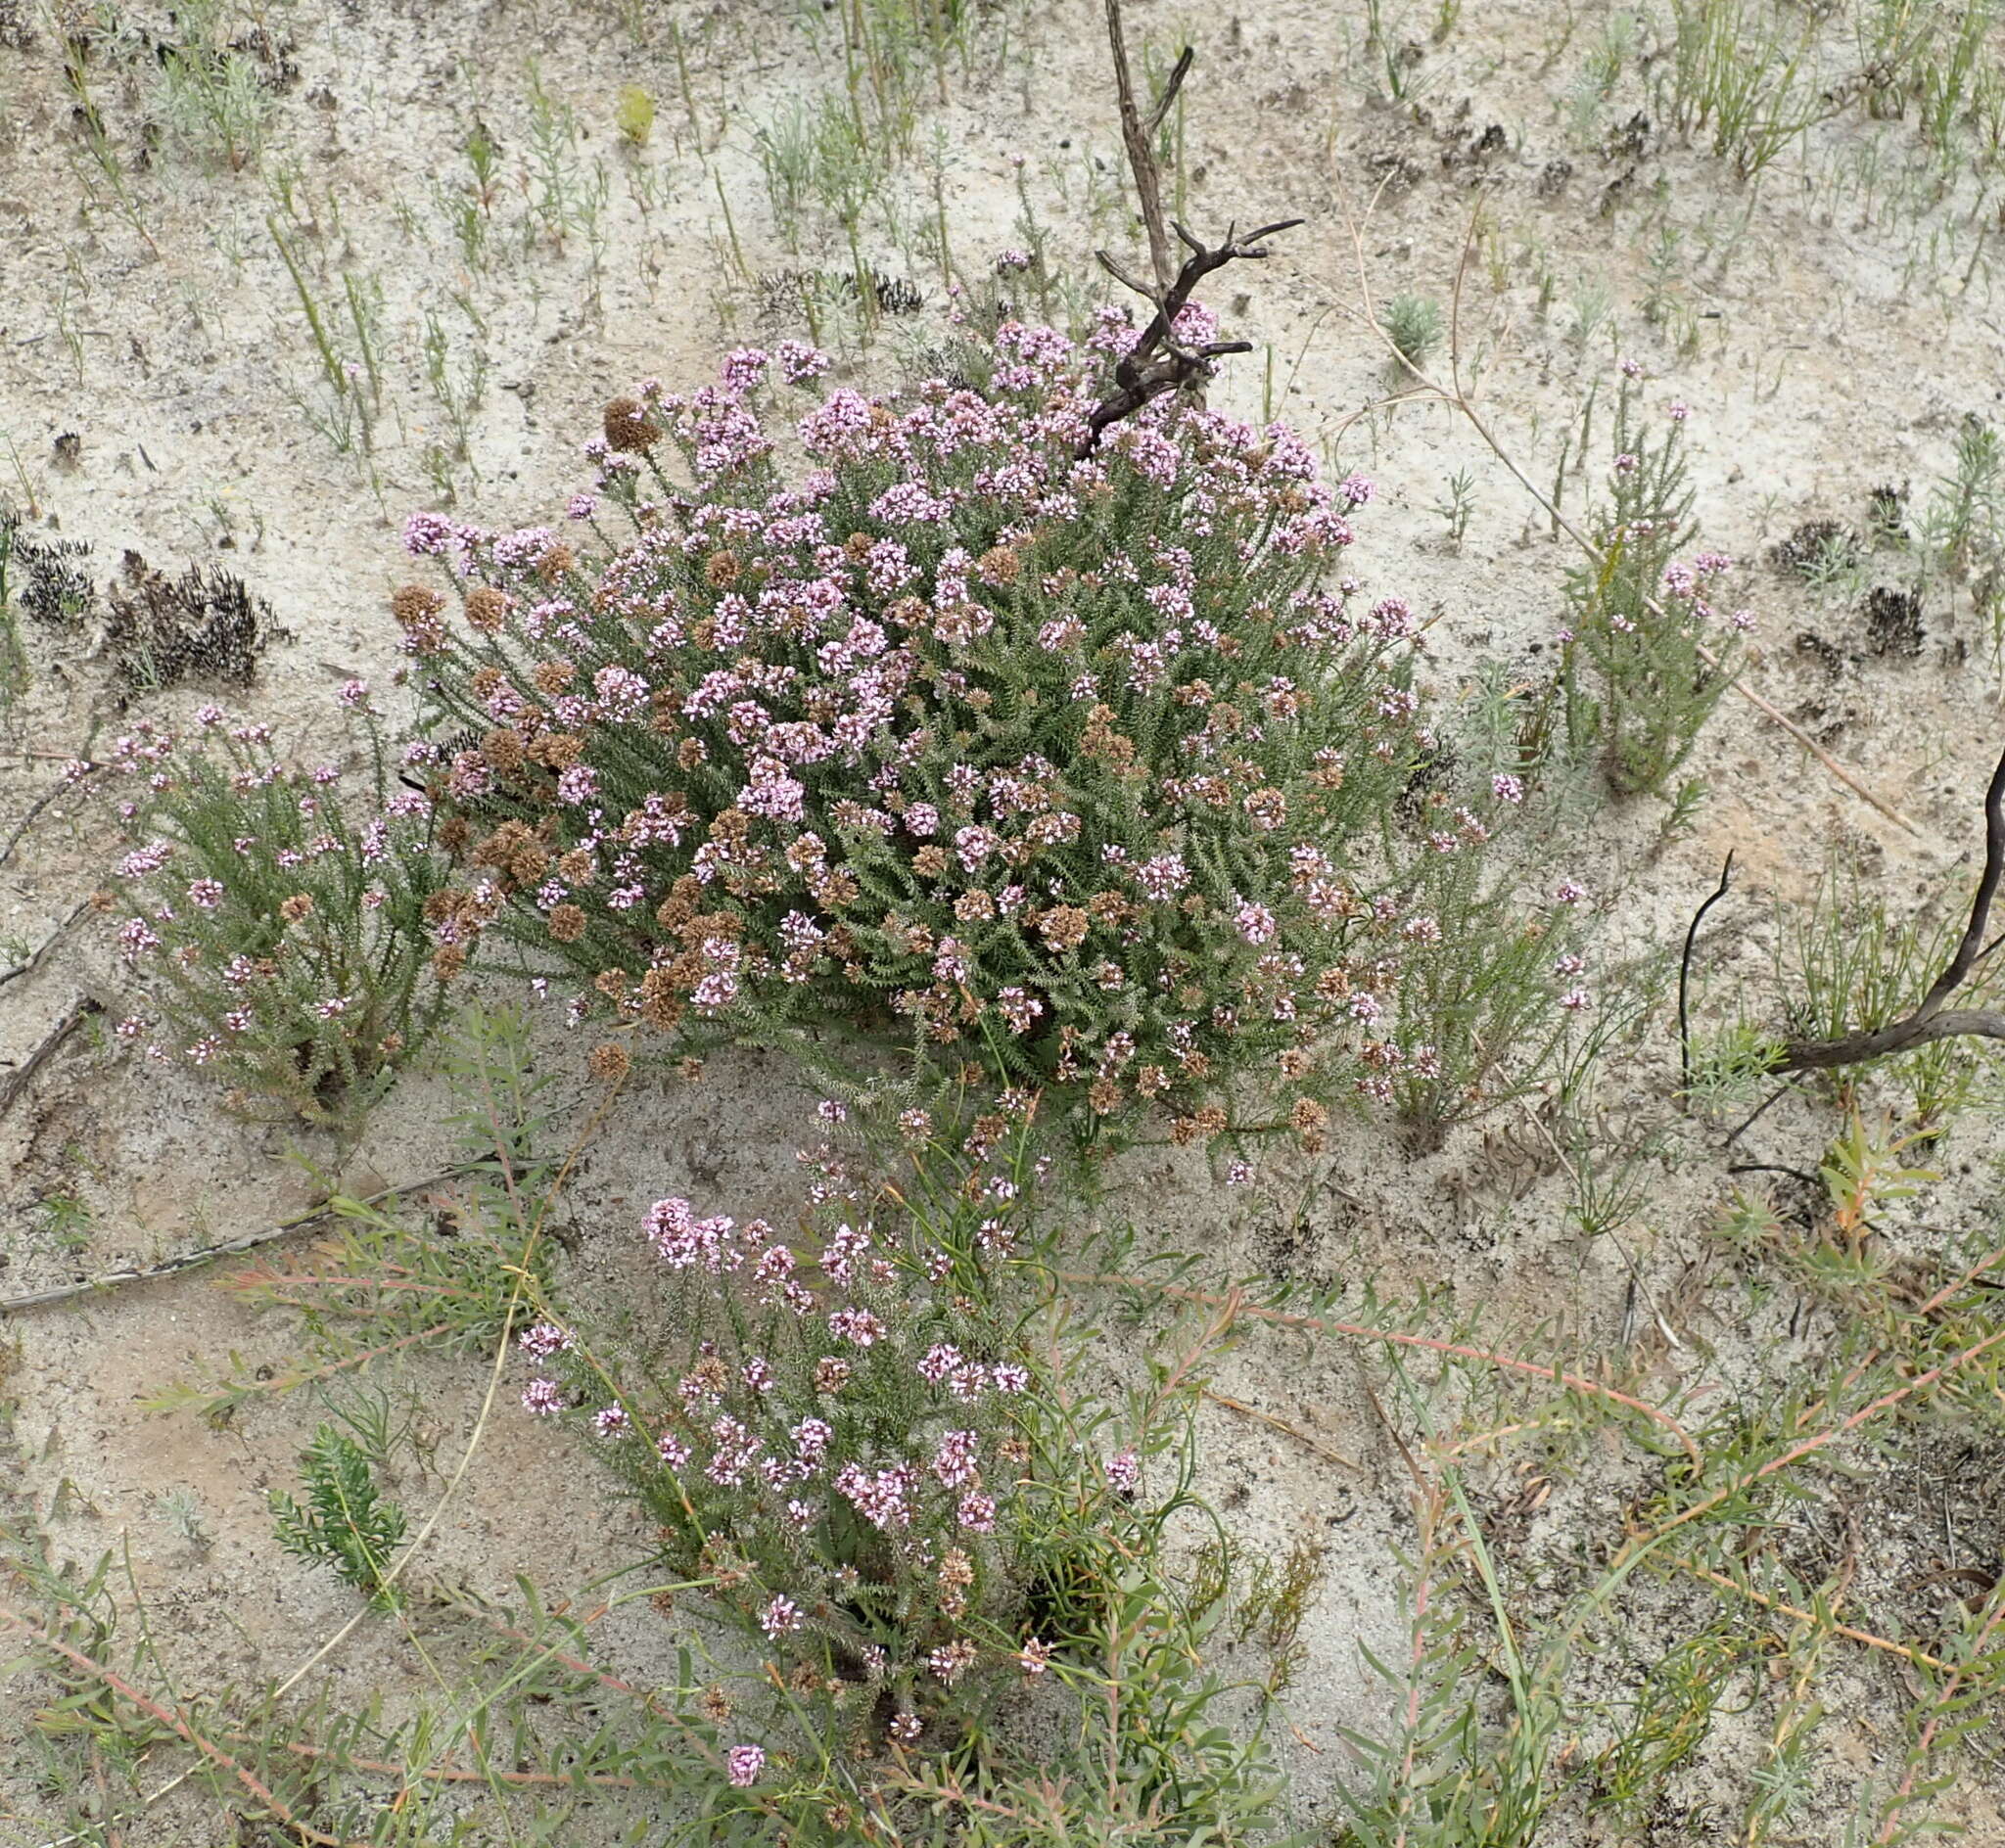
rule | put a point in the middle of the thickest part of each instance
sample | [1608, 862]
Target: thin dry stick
[1921, 1658]
[47, 943]
[1719, 892]
[19, 1079]
[1141, 155]
[1357, 1331]
[250, 1241]
[1158, 362]
[1462, 400]
[40, 803]
[1280, 1424]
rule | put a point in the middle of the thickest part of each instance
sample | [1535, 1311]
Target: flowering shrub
[853, 1454]
[279, 931]
[1641, 623]
[1063, 760]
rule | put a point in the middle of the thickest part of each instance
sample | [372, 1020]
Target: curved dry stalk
[1463, 401]
[1397, 1337]
[1930, 1020]
[1719, 892]
[522, 1279]
[500, 1361]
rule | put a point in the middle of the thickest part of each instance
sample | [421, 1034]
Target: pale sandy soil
[1826, 358]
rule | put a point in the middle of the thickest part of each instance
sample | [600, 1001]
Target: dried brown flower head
[629, 426]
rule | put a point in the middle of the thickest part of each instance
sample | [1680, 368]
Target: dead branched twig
[1930, 1020]
[1159, 361]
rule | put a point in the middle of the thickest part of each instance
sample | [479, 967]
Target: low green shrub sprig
[274, 912]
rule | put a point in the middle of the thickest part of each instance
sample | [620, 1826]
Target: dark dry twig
[1772, 1168]
[40, 803]
[47, 943]
[1930, 1020]
[250, 1241]
[20, 1078]
[1135, 133]
[1158, 362]
[1719, 892]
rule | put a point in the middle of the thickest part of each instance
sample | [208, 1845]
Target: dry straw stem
[48, 943]
[1921, 1658]
[40, 803]
[1357, 1331]
[1463, 401]
[1281, 1426]
[520, 1279]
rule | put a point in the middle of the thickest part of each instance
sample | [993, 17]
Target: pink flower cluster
[1050, 748]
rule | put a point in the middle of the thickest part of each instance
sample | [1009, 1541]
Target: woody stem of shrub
[1930, 1020]
[1135, 133]
[1158, 362]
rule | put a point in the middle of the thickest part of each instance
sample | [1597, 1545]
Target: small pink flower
[742, 1766]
